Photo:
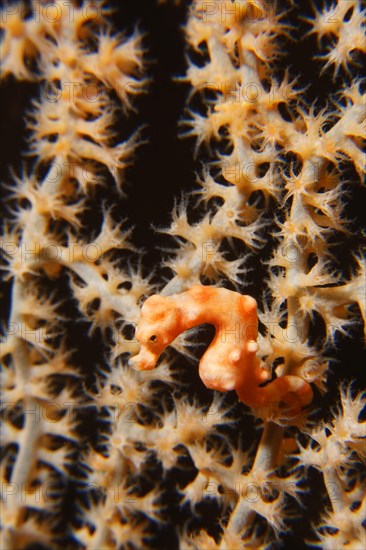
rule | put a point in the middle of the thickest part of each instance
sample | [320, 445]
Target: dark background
[164, 169]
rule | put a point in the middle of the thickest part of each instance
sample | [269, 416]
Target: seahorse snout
[144, 360]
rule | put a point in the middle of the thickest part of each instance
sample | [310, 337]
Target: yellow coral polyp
[16, 26]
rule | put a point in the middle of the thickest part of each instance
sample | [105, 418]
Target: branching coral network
[98, 455]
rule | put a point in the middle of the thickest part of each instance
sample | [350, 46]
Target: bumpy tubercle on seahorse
[230, 362]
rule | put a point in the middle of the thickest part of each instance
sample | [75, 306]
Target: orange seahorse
[230, 362]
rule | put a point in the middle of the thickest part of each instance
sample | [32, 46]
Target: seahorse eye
[153, 338]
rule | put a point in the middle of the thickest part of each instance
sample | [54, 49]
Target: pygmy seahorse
[230, 362]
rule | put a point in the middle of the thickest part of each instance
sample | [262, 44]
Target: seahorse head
[157, 328]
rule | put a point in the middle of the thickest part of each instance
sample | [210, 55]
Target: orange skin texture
[230, 362]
